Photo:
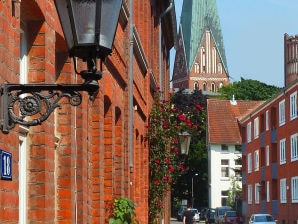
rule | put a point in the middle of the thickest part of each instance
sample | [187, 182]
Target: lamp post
[89, 29]
[192, 196]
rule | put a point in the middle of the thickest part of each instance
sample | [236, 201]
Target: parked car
[203, 213]
[232, 217]
[210, 216]
[196, 214]
[180, 212]
[219, 213]
[194, 211]
[261, 219]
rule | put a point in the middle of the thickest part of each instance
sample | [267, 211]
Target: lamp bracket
[31, 104]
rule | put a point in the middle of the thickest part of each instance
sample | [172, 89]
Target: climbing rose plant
[165, 162]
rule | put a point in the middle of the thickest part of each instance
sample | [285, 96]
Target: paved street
[174, 221]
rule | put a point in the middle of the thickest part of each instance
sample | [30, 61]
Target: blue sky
[253, 33]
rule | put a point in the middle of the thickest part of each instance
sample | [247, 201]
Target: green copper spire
[196, 17]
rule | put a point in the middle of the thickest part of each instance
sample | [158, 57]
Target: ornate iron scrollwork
[31, 104]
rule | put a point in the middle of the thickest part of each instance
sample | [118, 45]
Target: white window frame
[293, 105]
[249, 194]
[283, 190]
[294, 192]
[267, 155]
[282, 151]
[248, 132]
[268, 191]
[294, 147]
[256, 128]
[257, 193]
[249, 163]
[267, 120]
[23, 152]
[282, 113]
[256, 160]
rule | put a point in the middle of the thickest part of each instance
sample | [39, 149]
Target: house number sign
[5, 164]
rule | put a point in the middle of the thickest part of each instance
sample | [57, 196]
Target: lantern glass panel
[184, 139]
[63, 13]
[109, 20]
[84, 14]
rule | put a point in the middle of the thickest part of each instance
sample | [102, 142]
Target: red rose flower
[181, 117]
[171, 169]
[199, 107]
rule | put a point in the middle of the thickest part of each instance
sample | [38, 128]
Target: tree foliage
[248, 89]
[196, 161]
[167, 120]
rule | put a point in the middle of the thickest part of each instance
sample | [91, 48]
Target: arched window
[196, 85]
[212, 87]
[204, 86]
[203, 60]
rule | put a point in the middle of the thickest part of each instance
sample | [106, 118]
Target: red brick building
[270, 157]
[71, 167]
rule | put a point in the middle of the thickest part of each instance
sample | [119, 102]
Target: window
[249, 194]
[256, 127]
[257, 193]
[238, 148]
[204, 86]
[283, 190]
[294, 148]
[267, 120]
[282, 117]
[256, 160]
[249, 163]
[268, 191]
[282, 151]
[224, 147]
[224, 168]
[196, 85]
[267, 155]
[248, 132]
[293, 105]
[212, 87]
[295, 189]
[224, 198]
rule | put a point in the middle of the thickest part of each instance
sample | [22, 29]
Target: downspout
[161, 85]
[160, 60]
[130, 95]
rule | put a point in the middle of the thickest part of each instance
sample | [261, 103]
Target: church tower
[291, 58]
[200, 61]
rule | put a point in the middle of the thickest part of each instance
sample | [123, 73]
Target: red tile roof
[223, 119]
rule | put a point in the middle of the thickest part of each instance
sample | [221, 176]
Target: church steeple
[201, 40]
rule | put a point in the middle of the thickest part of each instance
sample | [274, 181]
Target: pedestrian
[188, 216]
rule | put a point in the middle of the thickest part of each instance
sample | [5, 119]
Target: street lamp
[192, 197]
[89, 29]
[184, 139]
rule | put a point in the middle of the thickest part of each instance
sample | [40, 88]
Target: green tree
[234, 193]
[248, 89]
